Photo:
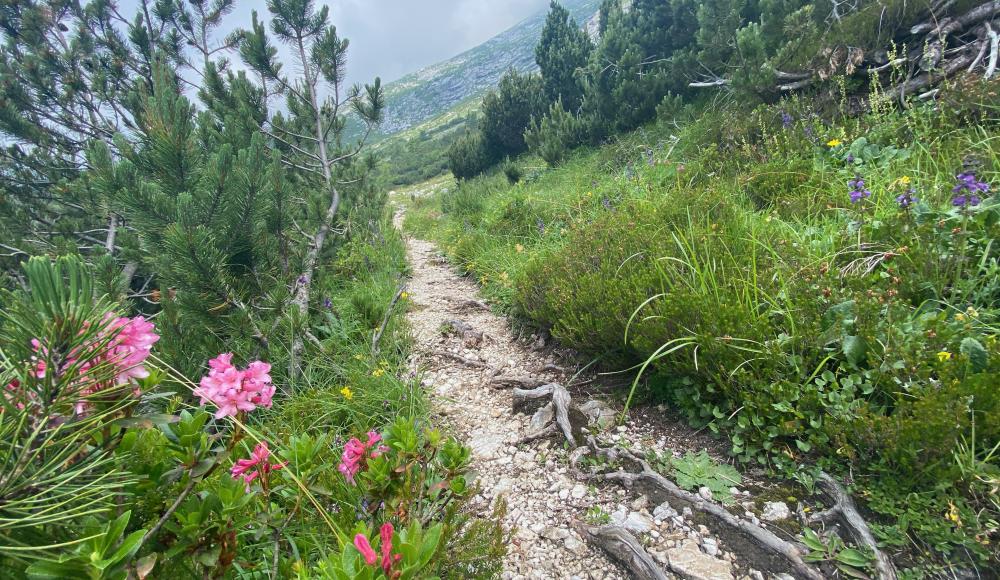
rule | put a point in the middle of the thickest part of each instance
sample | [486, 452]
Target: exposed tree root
[471, 338]
[752, 542]
[623, 547]
[554, 412]
[846, 513]
[461, 359]
[502, 381]
[550, 368]
[468, 304]
[569, 419]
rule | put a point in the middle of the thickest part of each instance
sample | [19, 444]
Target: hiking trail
[468, 359]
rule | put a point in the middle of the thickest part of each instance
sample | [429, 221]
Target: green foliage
[697, 470]
[103, 554]
[211, 226]
[562, 53]
[508, 110]
[853, 563]
[61, 468]
[558, 132]
[724, 260]
[469, 156]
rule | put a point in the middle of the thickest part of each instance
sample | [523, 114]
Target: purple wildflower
[858, 190]
[541, 226]
[650, 160]
[786, 119]
[906, 199]
[607, 204]
[967, 188]
[850, 158]
[303, 279]
[965, 200]
[327, 303]
[967, 182]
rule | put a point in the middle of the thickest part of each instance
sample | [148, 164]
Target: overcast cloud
[390, 38]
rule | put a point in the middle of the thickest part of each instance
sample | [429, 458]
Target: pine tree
[508, 110]
[202, 200]
[72, 74]
[310, 136]
[562, 53]
[66, 74]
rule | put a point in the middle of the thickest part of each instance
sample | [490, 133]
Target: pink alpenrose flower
[356, 454]
[361, 543]
[260, 458]
[233, 390]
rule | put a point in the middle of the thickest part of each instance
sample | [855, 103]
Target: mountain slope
[426, 93]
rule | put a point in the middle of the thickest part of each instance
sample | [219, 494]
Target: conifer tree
[562, 53]
[508, 110]
[202, 198]
[66, 73]
[310, 136]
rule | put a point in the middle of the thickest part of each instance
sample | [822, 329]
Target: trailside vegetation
[814, 283]
[202, 352]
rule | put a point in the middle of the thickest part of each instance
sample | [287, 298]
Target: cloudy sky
[390, 38]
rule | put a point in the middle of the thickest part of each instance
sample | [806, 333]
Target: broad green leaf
[855, 349]
[976, 353]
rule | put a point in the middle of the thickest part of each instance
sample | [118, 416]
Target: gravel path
[543, 498]
[460, 346]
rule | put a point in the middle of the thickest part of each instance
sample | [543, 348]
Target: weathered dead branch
[569, 419]
[504, 381]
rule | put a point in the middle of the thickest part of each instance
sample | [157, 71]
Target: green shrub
[558, 132]
[468, 156]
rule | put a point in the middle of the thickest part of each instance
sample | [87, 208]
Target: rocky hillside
[428, 92]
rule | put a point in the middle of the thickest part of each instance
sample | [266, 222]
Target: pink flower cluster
[233, 390]
[356, 454]
[388, 558]
[124, 344]
[259, 459]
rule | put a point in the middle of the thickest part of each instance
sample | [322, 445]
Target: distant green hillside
[426, 93]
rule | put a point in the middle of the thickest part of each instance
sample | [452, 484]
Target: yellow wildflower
[960, 317]
[834, 143]
[404, 295]
[519, 248]
[359, 357]
[971, 312]
[905, 180]
[348, 394]
[944, 355]
[953, 514]
[378, 372]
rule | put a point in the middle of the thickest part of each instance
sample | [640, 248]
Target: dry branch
[568, 418]
[385, 319]
[503, 381]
